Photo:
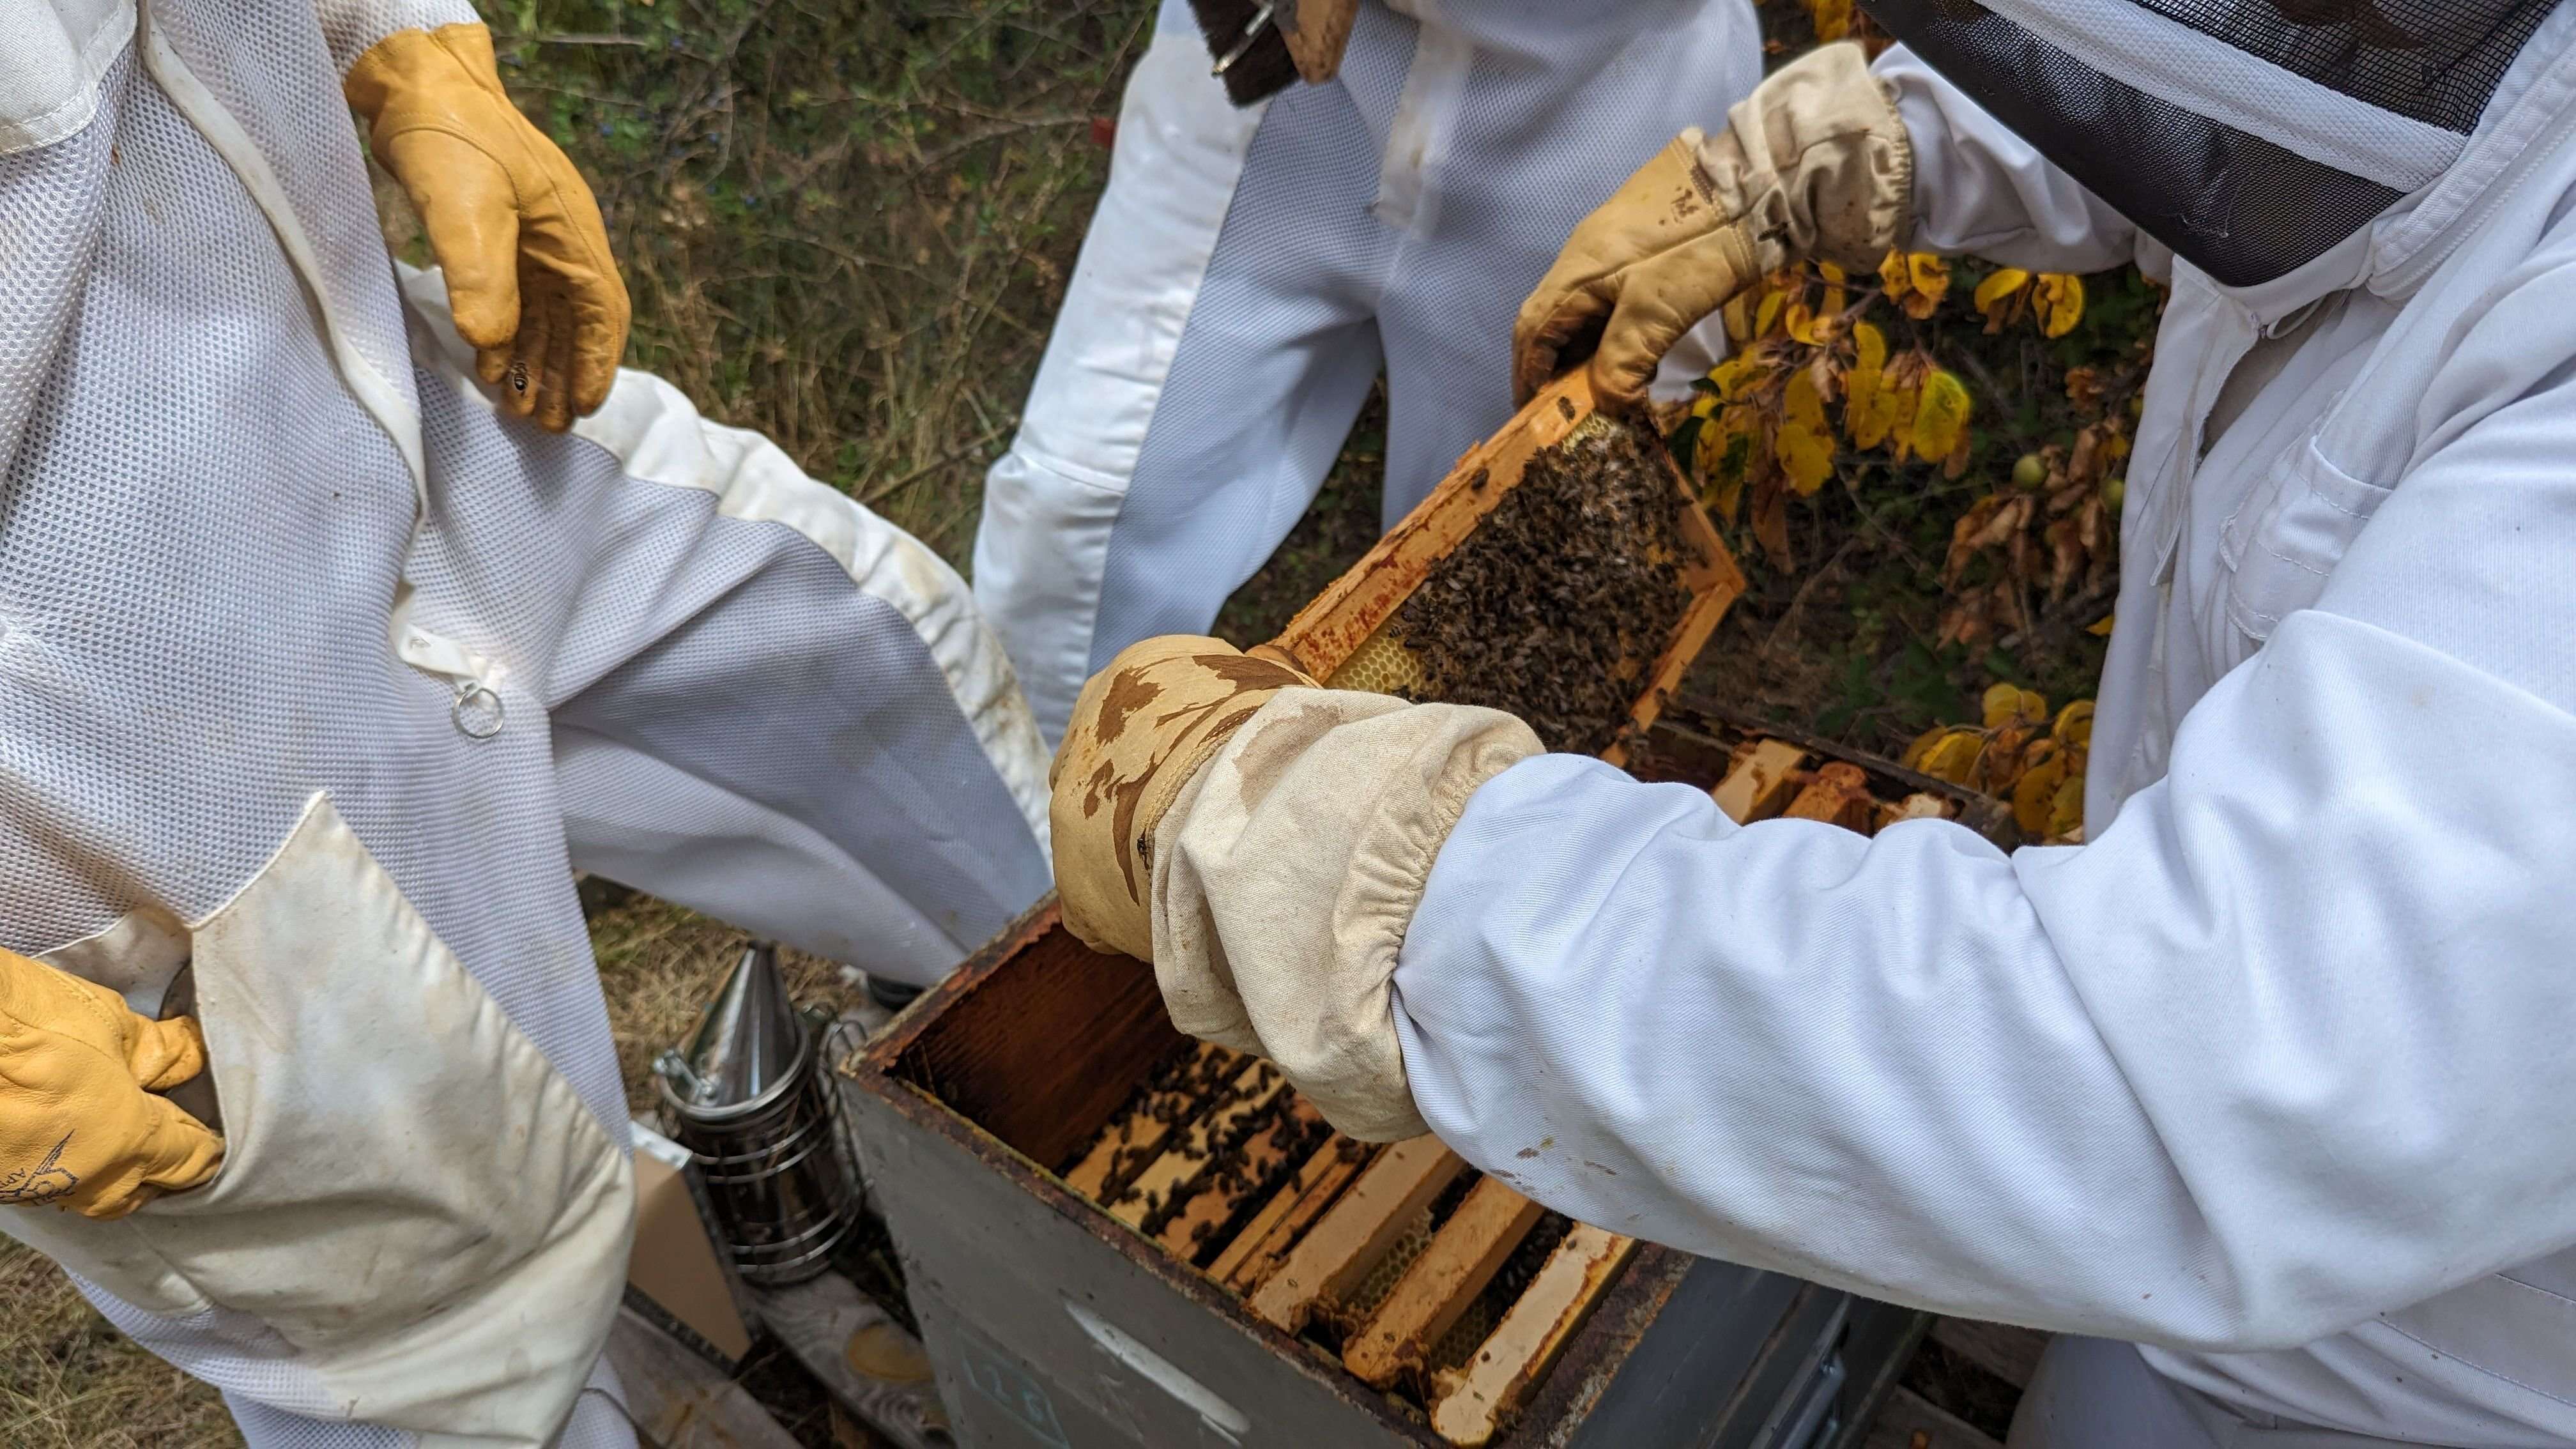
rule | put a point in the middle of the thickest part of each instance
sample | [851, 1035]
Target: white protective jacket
[319, 674]
[2273, 1075]
[1250, 273]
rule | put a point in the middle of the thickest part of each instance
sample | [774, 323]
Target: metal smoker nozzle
[748, 1041]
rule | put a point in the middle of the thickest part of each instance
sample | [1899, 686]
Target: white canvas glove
[1287, 871]
[1265, 842]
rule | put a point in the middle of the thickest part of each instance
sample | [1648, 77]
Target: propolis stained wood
[1057, 1163]
[982, 1102]
[1462, 1258]
[1589, 464]
[1293, 1208]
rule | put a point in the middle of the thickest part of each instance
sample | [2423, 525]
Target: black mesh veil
[2241, 206]
[2429, 60]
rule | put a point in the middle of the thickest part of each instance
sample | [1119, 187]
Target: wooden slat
[1463, 1257]
[680, 1399]
[1839, 795]
[1536, 1329]
[1759, 787]
[1909, 1421]
[1213, 1202]
[1266, 1239]
[2009, 1353]
[861, 1356]
[1918, 806]
[1182, 1160]
[1140, 1132]
[1331, 1260]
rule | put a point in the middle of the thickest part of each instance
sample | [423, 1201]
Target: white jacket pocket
[412, 1198]
[2278, 555]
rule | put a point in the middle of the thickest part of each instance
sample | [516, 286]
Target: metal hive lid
[748, 1044]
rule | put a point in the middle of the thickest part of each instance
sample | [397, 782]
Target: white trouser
[2098, 1393]
[1248, 274]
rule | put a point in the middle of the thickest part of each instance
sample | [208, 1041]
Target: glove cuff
[1816, 164]
[409, 62]
[1142, 728]
[1284, 886]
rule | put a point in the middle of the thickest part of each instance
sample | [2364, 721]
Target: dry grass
[69, 1381]
[845, 225]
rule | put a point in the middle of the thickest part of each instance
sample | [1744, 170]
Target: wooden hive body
[1117, 1236]
[985, 1103]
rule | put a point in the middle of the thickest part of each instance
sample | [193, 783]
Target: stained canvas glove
[1815, 164]
[1282, 835]
[79, 1126]
[1139, 730]
[529, 276]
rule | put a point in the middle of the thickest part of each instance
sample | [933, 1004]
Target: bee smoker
[749, 1098]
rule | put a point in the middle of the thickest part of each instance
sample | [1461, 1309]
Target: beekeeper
[326, 654]
[1250, 272]
[2271, 1078]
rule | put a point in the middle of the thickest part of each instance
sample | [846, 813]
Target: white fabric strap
[52, 58]
[2214, 80]
[1435, 88]
[352, 27]
[386, 401]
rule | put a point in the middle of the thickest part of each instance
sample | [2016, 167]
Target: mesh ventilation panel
[2435, 61]
[2242, 208]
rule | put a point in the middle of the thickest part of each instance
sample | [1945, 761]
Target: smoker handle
[1221, 1417]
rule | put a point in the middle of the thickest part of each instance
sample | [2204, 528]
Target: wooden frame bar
[1140, 1131]
[1534, 1331]
[1251, 1090]
[1291, 1210]
[1761, 783]
[1463, 1257]
[1838, 795]
[1359, 1229]
[1216, 1201]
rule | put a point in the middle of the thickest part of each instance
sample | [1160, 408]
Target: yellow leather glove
[1814, 164]
[529, 276]
[79, 1126]
[1141, 728]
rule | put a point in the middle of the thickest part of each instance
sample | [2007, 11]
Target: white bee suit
[320, 675]
[1248, 273]
[2272, 1075]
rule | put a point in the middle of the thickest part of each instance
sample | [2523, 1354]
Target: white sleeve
[353, 27]
[2289, 1045]
[1980, 189]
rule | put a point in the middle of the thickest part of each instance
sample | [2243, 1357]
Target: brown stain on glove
[1142, 727]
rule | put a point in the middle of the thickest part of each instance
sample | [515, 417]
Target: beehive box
[1115, 1235]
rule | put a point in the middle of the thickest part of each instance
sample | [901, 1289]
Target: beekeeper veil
[2251, 136]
